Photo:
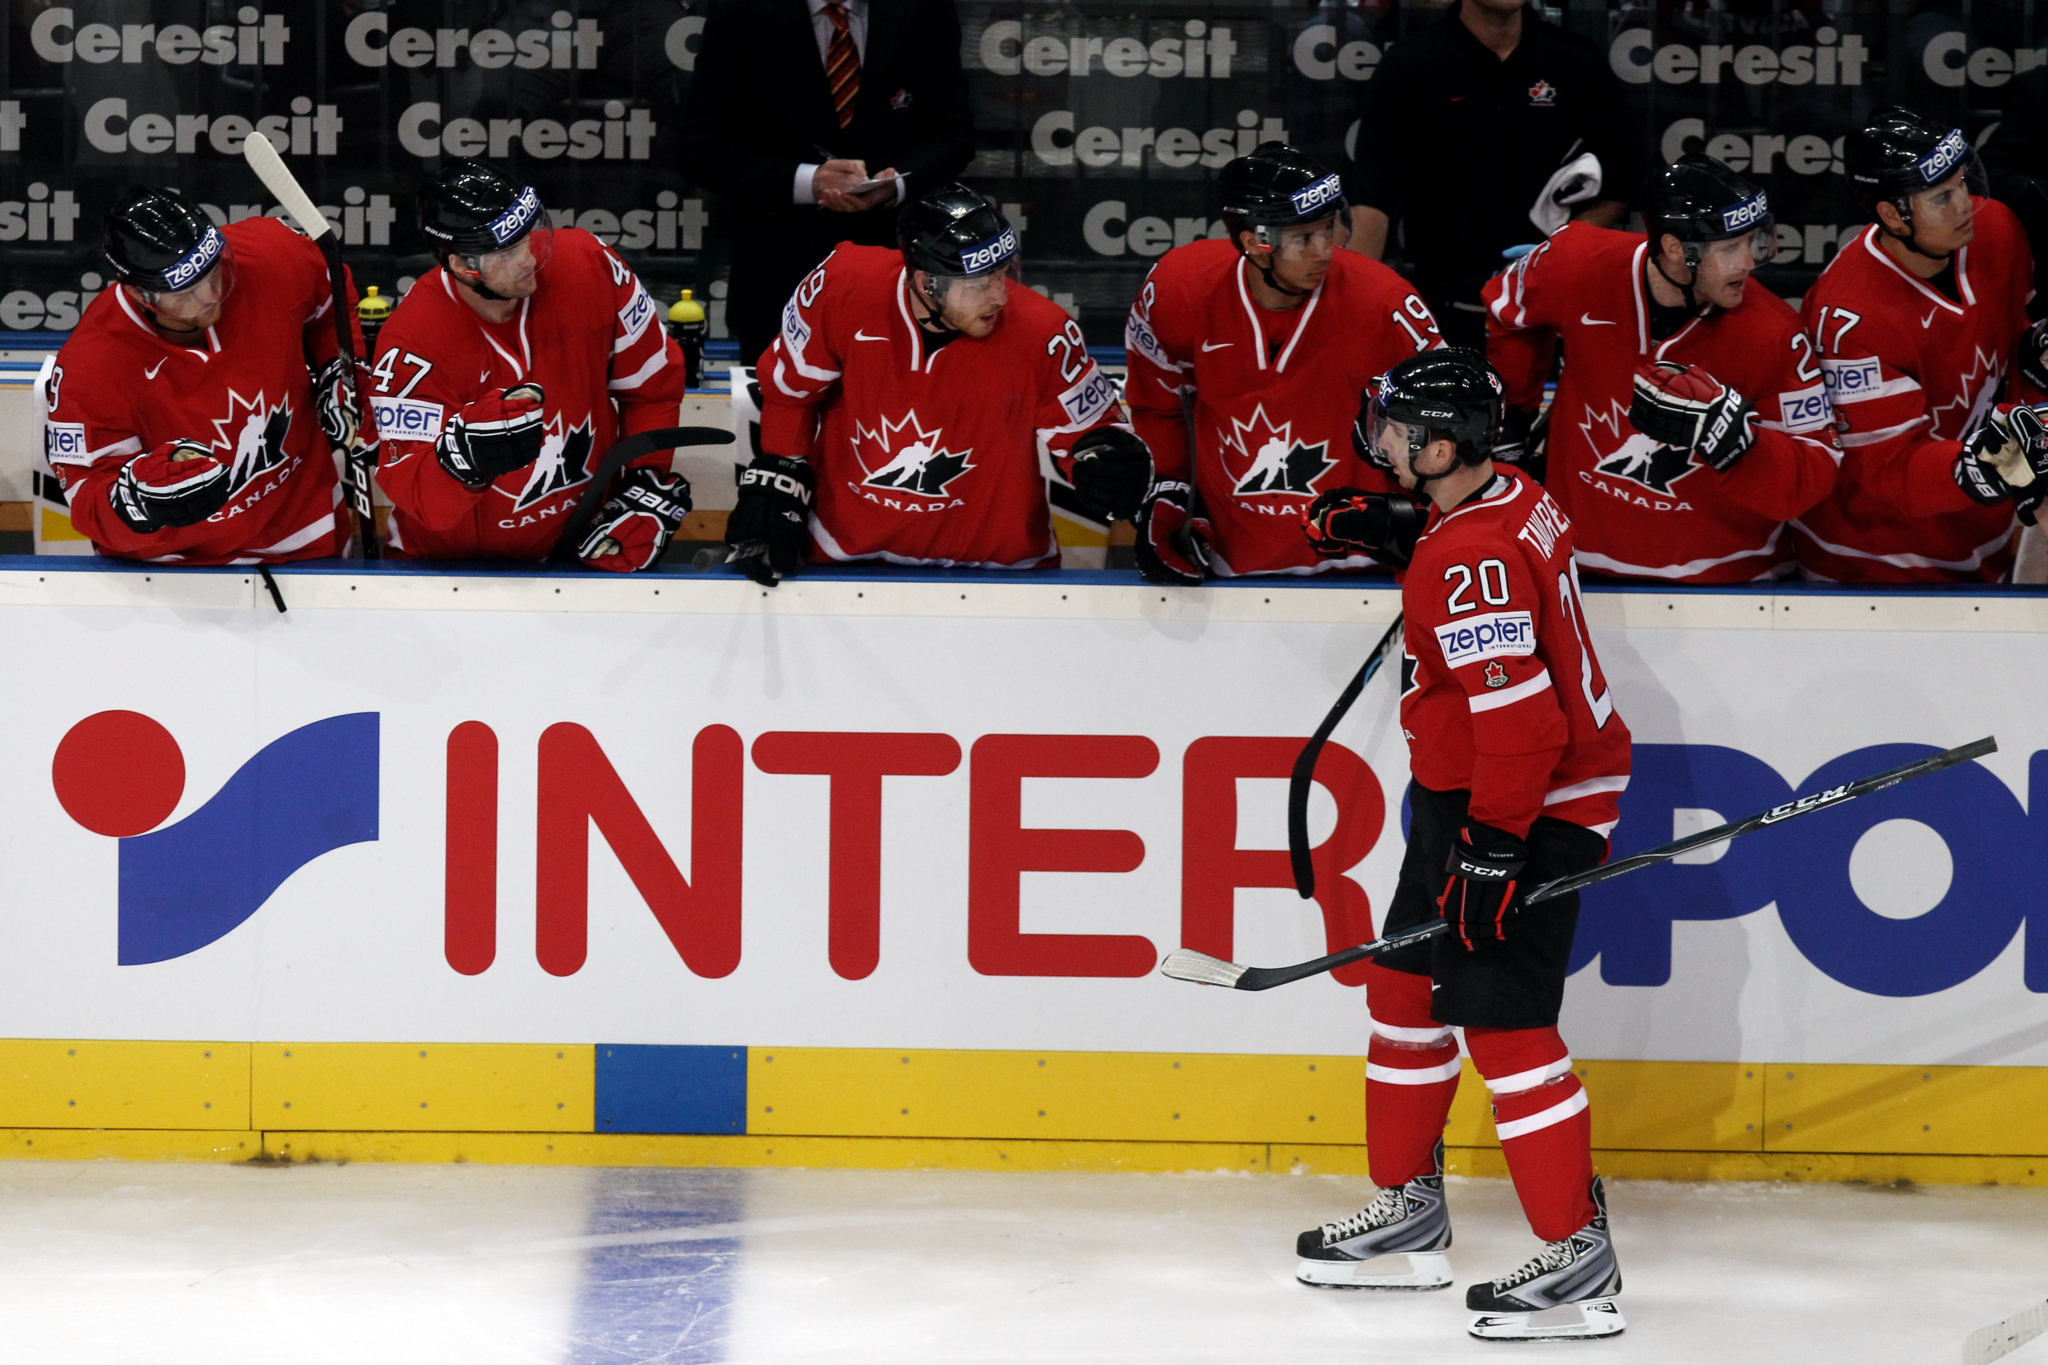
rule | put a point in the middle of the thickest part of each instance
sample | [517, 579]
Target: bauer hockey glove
[2034, 355]
[637, 522]
[493, 436]
[334, 401]
[1684, 407]
[1486, 876]
[2006, 460]
[771, 520]
[1173, 541]
[1341, 522]
[1112, 469]
[179, 483]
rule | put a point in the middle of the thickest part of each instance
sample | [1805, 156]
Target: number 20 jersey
[1502, 694]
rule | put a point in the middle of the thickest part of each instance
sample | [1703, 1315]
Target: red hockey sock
[1411, 1076]
[1546, 1132]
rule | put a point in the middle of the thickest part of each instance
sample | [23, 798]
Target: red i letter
[470, 894]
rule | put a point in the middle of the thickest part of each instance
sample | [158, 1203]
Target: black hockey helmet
[1699, 200]
[1276, 185]
[954, 233]
[1900, 153]
[472, 209]
[160, 242]
[1448, 394]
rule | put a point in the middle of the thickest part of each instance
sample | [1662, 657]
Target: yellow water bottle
[371, 310]
[689, 326]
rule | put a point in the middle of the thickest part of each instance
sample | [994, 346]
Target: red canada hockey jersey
[924, 456]
[590, 336]
[1645, 510]
[122, 388]
[1912, 372]
[1502, 694]
[1271, 397]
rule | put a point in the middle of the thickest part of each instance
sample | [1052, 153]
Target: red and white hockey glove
[1342, 522]
[180, 483]
[334, 401]
[493, 436]
[636, 523]
[1173, 540]
[2006, 460]
[1486, 877]
[1684, 407]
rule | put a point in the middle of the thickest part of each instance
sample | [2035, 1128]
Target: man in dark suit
[797, 104]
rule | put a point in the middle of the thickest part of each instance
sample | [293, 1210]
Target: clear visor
[956, 291]
[514, 268]
[198, 304]
[1746, 252]
[1951, 200]
[1385, 436]
[1315, 240]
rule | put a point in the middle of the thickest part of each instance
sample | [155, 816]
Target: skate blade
[1426, 1270]
[1585, 1321]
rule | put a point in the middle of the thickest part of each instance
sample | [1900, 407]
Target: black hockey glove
[1684, 407]
[334, 402]
[493, 436]
[2006, 460]
[1486, 878]
[1173, 541]
[180, 483]
[771, 521]
[1341, 522]
[1523, 436]
[1111, 472]
[2034, 355]
[638, 521]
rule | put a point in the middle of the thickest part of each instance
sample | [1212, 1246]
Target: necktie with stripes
[842, 63]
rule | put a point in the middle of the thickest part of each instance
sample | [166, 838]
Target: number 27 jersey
[1502, 694]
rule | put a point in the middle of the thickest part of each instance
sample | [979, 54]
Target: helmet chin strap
[477, 285]
[1912, 236]
[1684, 287]
[934, 319]
[1266, 273]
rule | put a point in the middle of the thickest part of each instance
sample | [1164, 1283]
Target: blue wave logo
[183, 886]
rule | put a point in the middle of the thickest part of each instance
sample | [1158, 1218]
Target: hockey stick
[1987, 1344]
[1185, 964]
[1305, 765]
[618, 457]
[270, 169]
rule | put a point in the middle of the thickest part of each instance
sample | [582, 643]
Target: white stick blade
[1185, 964]
[270, 169]
[1987, 1344]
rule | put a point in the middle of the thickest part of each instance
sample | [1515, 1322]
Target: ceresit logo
[985, 256]
[182, 272]
[1750, 213]
[407, 419]
[183, 886]
[1497, 635]
[516, 219]
[1941, 163]
[1324, 192]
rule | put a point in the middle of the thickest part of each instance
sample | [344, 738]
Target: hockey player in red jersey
[1518, 760]
[908, 400]
[503, 377]
[1246, 361]
[184, 423]
[1690, 423]
[1920, 320]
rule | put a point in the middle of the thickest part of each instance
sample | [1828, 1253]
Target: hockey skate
[1565, 1294]
[1411, 1220]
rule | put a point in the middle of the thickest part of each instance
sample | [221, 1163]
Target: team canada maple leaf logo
[1958, 419]
[563, 464]
[1622, 452]
[1542, 95]
[1496, 676]
[254, 430]
[1277, 462]
[904, 457]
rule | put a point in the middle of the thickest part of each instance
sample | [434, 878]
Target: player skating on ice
[505, 375]
[195, 410]
[1691, 422]
[1246, 359]
[1518, 760]
[909, 399]
[1922, 327]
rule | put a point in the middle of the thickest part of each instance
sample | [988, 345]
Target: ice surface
[390, 1265]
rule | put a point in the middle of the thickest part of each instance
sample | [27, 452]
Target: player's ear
[1248, 242]
[1889, 218]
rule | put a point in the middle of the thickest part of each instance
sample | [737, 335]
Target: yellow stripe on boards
[1977, 1110]
[424, 1087]
[84, 1083]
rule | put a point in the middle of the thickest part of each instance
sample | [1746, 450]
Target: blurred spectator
[798, 104]
[2016, 164]
[1462, 129]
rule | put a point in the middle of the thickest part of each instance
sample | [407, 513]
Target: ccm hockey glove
[1112, 469]
[1486, 870]
[1346, 521]
[1173, 542]
[179, 483]
[493, 436]
[2006, 460]
[1684, 407]
[771, 520]
[637, 521]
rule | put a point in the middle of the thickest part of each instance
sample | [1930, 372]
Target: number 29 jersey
[1502, 694]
